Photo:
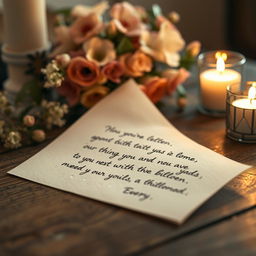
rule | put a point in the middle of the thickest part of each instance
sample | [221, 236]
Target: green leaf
[31, 91]
[125, 46]
[187, 61]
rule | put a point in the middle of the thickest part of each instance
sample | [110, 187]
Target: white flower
[99, 51]
[82, 10]
[54, 75]
[54, 113]
[163, 45]
[13, 140]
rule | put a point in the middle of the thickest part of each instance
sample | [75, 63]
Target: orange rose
[155, 88]
[136, 64]
[83, 72]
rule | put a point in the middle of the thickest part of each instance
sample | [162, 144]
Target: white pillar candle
[213, 83]
[25, 32]
[25, 27]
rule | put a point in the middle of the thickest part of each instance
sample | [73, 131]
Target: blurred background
[218, 24]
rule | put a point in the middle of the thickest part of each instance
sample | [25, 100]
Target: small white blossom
[54, 113]
[12, 140]
[54, 75]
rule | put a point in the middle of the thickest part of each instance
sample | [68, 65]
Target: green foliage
[187, 61]
[124, 46]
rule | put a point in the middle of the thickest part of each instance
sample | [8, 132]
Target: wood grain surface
[38, 220]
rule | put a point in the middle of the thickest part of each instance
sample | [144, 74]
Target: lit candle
[213, 84]
[250, 102]
[241, 113]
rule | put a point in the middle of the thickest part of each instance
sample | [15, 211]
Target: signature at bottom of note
[132, 192]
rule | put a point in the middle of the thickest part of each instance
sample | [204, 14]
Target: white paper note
[124, 152]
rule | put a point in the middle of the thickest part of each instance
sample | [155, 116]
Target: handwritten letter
[124, 152]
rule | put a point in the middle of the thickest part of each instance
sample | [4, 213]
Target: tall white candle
[25, 25]
[213, 83]
[25, 32]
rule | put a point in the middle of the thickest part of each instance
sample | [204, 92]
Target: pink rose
[127, 19]
[113, 71]
[86, 27]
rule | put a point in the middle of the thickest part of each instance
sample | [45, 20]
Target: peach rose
[175, 77]
[82, 71]
[93, 95]
[155, 88]
[135, 64]
[127, 19]
[70, 91]
[85, 27]
[113, 71]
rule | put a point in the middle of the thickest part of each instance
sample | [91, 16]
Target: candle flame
[252, 92]
[221, 58]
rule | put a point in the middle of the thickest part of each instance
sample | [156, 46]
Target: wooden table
[38, 220]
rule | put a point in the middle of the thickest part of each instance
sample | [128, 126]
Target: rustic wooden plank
[235, 236]
[35, 219]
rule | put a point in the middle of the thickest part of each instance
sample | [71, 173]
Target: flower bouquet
[101, 47]
[97, 49]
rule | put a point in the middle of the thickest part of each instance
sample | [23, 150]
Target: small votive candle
[217, 70]
[241, 112]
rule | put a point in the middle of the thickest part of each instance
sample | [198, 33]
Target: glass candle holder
[217, 70]
[241, 112]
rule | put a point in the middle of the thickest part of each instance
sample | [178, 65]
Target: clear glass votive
[217, 70]
[241, 112]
